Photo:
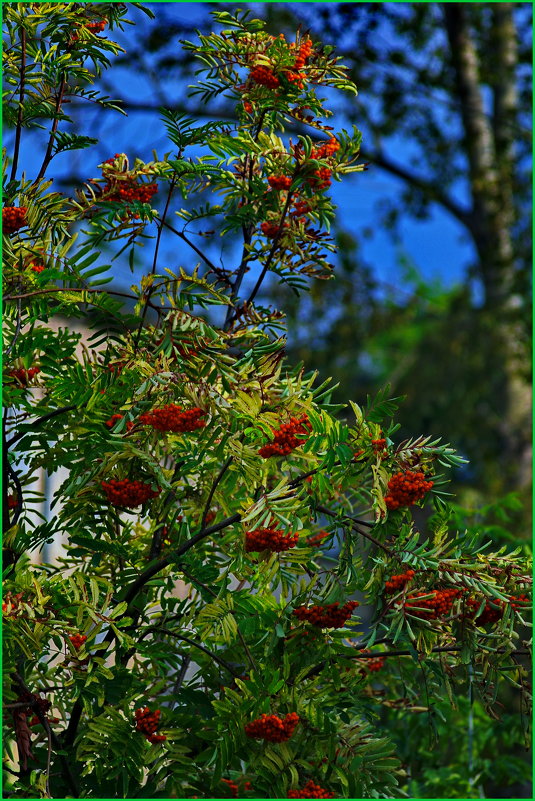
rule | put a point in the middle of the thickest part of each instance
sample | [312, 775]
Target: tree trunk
[490, 151]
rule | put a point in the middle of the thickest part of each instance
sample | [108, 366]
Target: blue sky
[437, 246]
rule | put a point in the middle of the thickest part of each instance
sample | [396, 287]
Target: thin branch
[219, 476]
[272, 252]
[165, 561]
[48, 154]
[40, 421]
[17, 330]
[220, 273]
[202, 648]
[155, 258]
[365, 534]
[18, 131]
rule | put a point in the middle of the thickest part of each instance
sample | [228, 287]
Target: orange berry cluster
[172, 418]
[147, 722]
[96, 27]
[126, 189]
[36, 266]
[279, 181]
[304, 53]
[265, 77]
[271, 229]
[77, 640]
[398, 582]
[13, 218]
[272, 728]
[124, 492]
[331, 616]
[24, 376]
[327, 149]
[438, 605]
[321, 179]
[379, 444]
[406, 488]
[269, 539]
[310, 790]
[285, 439]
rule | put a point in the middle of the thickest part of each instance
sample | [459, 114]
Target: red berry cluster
[115, 418]
[379, 444]
[10, 604]
[310, 790]
[33, 700]
[280, 181]
[272, 728]
[326, 150]
[24, 376]
[269, 539]
[147, 722]
[372, 665]
[265, 77]
[331, 616]
[406, 488]
[398, 582]
[285, 439]
[12, 501]
[36, 266]
[13, 218]
[126, 189]
[77, 640]
[438, 605]
[232, 786]
[317, 539]
[124, 492]
[172, 418]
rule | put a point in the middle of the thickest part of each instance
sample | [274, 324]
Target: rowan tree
[200, 636]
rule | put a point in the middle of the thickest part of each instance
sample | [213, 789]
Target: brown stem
[53, 738]
[18, 131]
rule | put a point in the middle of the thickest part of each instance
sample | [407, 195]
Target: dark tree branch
[220, 273]
[155, 259]
[53, 738]
[324, 510]
[39, 422]
[218, 478]
[48, 154]
[18, 130]
[428, 188]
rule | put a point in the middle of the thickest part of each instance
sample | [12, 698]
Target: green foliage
[177, 428]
